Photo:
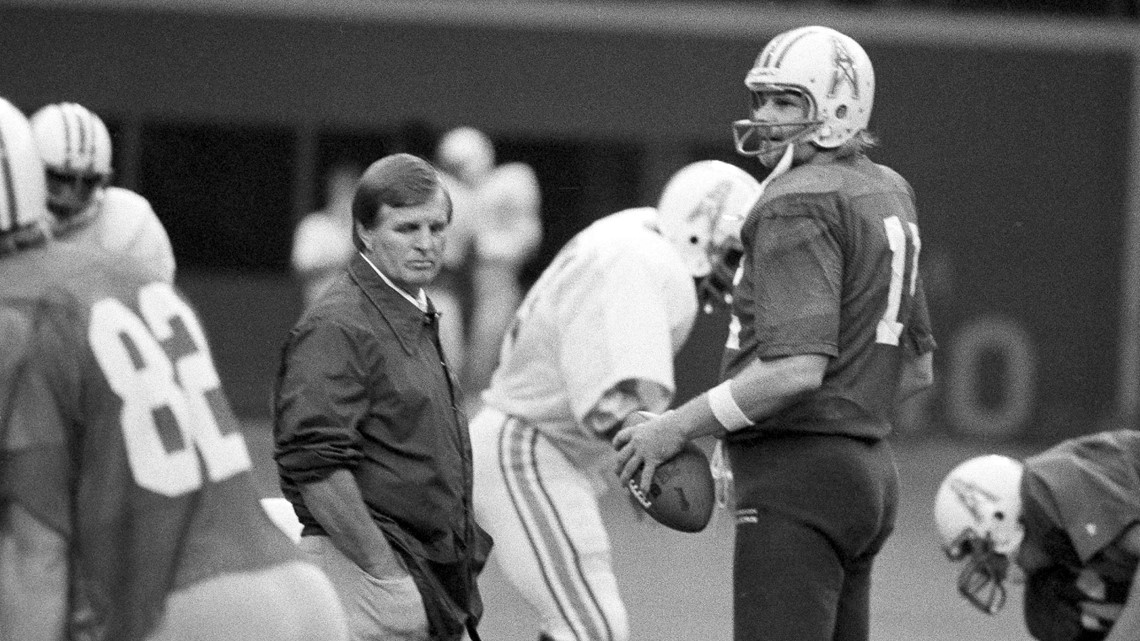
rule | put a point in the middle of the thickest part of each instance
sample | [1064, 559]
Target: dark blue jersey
[114, 432]
[831, 267]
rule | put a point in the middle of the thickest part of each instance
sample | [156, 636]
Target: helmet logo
[972, 496]
[712, 205]
[843, 72]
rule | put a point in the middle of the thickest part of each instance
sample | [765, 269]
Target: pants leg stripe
[546, 531]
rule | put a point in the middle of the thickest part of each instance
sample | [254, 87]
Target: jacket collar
[397, 309]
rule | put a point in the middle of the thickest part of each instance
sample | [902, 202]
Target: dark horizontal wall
[257, 69]
[1019, 157]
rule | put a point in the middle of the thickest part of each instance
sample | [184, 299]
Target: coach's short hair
[398, 180]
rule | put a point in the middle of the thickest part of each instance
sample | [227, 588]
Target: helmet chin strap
[781, 167]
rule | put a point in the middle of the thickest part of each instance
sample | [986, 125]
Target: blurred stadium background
[1017, 122]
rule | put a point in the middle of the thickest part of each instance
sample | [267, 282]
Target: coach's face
[407, 242]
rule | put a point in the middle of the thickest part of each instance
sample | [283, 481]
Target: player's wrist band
[725, 409]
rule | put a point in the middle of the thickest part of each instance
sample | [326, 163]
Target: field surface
[678, 586]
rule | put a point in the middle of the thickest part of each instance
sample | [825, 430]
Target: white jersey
[122, 222]
[497, 220]
[615, 304]
[322, 247]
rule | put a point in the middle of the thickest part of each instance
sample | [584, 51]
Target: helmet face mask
[977, 512]
[982, 579]
[830, 70]
[767, 138]
[70, 194]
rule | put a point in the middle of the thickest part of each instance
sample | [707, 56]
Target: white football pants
[549, 537]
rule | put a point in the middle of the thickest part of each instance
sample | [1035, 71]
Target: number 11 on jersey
[902, 273]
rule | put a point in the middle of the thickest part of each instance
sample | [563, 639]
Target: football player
[322, 241]
[829, 330]
[592, 342]
[1067, 518]
[85, 208]
[495, 230]
[127, 506]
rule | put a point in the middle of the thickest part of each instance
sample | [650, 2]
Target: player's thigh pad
[293, 601]
[550, 540]
[376, 609]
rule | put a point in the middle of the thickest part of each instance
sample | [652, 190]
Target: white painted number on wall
[167, 417]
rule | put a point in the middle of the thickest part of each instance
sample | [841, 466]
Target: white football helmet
[22, 190]
[466, 153]
[828, 68]
[978, 515]
[702, 209]
[76, 149]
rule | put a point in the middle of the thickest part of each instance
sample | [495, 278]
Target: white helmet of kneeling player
[22, 190]
[824, 66]
[76, 149]
[978, 515]
[701, 211]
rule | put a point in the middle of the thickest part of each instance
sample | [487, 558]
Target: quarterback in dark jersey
[829, 332]
[127, 507]
[1068, 518]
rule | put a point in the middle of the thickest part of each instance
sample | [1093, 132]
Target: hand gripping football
[681, 495]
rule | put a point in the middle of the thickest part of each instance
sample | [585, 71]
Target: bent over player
[829, 330]
[85, 209]
[592, 342]
[127, 507]
[1068, 517]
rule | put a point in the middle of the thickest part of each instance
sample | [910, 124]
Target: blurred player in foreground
[85, 209]
[496, 229]
[592, 342]
[322, 241]
[127, 506]
[1068, 518]
[829, 331]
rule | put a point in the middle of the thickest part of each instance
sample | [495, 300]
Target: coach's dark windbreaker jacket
[362, 386]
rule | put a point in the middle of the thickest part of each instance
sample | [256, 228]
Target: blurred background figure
[76, 150]
[495, 231]
[322, 242]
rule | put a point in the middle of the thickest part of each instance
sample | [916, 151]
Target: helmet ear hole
[841, 111]
[999, 515]
[694, 240]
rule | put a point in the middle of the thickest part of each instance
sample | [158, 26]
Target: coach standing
[371, 447]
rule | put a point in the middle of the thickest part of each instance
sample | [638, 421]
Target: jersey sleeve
[34, 461]
[616, 327]
[152, 247]
[133, 223]
[920, 335]
[797, 272]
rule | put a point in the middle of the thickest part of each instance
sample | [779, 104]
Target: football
[681, 495]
